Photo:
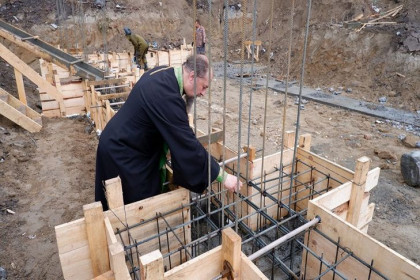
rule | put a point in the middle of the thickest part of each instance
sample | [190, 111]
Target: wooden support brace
[231, 250]
[95, 229]
[20, 87]
[151, 266]
[114, 195]
[358, 190]
[251, 152]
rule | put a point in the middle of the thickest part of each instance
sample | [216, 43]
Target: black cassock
[132, 142]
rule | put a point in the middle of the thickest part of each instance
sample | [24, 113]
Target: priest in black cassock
[154, 115]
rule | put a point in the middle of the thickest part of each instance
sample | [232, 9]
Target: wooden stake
[305, 142]
[231, 250]
[358, 190]
[151, 266]
[95, 229]
[114, 194]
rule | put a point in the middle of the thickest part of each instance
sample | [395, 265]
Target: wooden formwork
[62, 94]
[385, 263]
[313, 175]
[88, 247]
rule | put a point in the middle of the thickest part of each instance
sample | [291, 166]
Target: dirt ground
[46, 177]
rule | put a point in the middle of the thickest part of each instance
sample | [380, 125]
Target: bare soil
[46, 177]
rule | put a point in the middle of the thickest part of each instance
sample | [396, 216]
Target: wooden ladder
[19, 113]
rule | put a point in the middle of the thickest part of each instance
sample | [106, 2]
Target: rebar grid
[208, 221]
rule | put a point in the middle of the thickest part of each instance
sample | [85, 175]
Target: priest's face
[202, 85]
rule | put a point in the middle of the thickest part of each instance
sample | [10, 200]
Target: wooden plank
[358, 190]
[117, 262]
[231, 251]
[20, 86]
[60, 99]
[21, 119]
[336, 171]
[71, 236]
[249, 271]
[76, 264]
[95, 229]
[151, 266]
[212, 261]
[372, 179]
[65, 93]
[110, 235]
[336, 197]
[388, 262]
[73, 102]
[114, 194]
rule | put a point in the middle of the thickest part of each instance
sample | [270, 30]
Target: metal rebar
[284, 238]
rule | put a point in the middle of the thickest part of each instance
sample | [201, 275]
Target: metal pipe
[232, 159]
[284, 238]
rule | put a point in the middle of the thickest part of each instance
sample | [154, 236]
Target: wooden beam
[231, 251]
[151, 266]
[305, 141]
[215, 136]
[20, 87]
[358, 190]
[95, 229]
[113, 193]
